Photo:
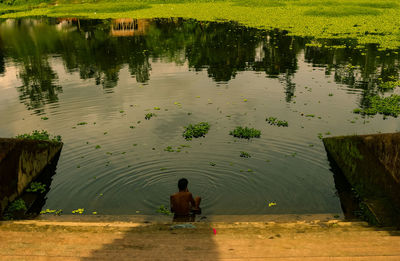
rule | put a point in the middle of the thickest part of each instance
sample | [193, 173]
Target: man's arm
[171, 202]
[192, 200]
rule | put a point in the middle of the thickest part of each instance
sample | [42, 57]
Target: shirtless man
[183, 205]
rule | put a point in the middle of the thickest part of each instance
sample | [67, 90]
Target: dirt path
[332, 240]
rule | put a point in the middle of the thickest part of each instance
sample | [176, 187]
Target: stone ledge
[21, 161]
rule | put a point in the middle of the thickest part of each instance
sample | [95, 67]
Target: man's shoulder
[181, 193]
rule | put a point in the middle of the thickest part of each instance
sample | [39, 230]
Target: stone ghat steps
[120, 240]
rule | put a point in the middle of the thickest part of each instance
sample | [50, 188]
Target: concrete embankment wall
[21, 161]
[371, 164]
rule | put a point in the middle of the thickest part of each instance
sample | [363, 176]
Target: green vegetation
[51, 211]
[244, 154]
[245, 133]
[15, 206]
[178, 149]
[78, 211]
[81, 123]
[389, 85]
[149, 115]
[39, 135]
[275, 121]
[36, 187]
[195, 131]
[169, 149]
[163, 210]
[366, 21]
[389, 106]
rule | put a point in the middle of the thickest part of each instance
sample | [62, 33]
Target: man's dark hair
[182, 184]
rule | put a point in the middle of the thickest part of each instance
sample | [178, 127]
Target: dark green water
[111, 73]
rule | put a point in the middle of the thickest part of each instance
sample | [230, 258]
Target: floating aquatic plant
[169, 149]
[245, 133]
[44, 118]
[78, 211]
[163, 210]
[149, 115]
[195, 131]
[81, 123]
[389, 85]
[52, 211]
[275, 121]
[244, 154]
[389, 106]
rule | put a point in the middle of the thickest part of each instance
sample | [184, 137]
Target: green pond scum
[364, 20]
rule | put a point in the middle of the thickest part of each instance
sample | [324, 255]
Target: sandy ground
[127, 240]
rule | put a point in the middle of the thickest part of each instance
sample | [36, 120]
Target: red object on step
[215, 231]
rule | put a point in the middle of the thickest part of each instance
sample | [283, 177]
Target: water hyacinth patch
[78, 211]
[244, 154]
[390, 85]
[389, 106]
[149, 115]
[245, 133]
[275, 121]
[51, 211]
[195, 131]
[163, 210]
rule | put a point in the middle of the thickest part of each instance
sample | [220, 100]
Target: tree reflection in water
[99, 49]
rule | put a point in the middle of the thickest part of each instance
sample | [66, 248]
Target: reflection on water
[223, 49]
[109, 73]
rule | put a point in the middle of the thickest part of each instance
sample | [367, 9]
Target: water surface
[57, 73]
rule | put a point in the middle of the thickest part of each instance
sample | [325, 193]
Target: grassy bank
[364, 20]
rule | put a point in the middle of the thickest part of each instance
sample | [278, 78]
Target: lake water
[56, 73]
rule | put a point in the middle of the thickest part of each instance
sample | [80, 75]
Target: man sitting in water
[183, 205]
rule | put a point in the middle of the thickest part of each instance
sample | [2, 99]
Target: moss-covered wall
[371, 164]
[21, 161]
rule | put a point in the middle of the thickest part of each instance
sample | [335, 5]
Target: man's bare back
[182, 203]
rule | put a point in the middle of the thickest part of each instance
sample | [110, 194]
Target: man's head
[182, 184]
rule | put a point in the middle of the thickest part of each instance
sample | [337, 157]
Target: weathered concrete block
[371, 164]
[21, 161]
